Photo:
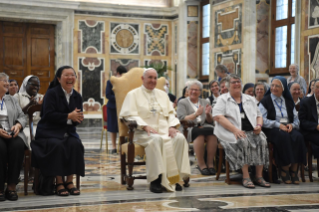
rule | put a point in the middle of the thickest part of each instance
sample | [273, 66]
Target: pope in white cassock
[166, 148]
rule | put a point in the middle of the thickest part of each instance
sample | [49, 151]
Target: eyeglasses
[34, 85]
[235, 82]
[5, 81]
[194, 90]
[274, 85]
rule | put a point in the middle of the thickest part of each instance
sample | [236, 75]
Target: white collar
[66, 92]
[147, 90]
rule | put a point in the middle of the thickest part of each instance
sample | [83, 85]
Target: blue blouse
[280, 102]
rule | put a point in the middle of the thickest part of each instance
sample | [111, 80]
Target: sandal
[2, 198]
[204, 171]
[261, 182]
[294, 179]
[62, 190]
[72, 190]
[248, 183]
[11, 195]
[286, 179]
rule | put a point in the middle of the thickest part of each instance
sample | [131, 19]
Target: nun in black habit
[57, 149]
[281, 125]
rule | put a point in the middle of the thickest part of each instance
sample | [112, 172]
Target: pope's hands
[149, 130]
[172, 132]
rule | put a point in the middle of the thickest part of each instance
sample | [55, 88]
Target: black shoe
[204, 171]
[178, 187]
[156, 188]
[114, 151]
[212, 171]
[2, 198]
[11, 195]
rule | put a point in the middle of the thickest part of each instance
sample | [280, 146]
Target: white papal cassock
[164, 155]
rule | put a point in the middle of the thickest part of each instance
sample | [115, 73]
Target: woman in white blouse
[238, 128]
[28, 96]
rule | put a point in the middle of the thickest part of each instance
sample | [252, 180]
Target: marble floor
[101, 191]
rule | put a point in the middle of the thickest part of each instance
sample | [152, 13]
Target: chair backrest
[127, 82]
[31, 111]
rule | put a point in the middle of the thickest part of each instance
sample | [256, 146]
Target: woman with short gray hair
[198, 111]
[12, 141]
[259, 91]
[295, 77]
[238, 128]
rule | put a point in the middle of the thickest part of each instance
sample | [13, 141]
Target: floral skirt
[252, 150]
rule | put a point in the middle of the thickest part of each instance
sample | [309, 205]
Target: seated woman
[57, 149]
[259, 91]
[214, 92]
[249, 89]
[238, 128]
[295, 91]
[311, 87]
[281, 126]
[199, 110]
[12, 141]
[13, 87]
[185, 94]
[28, 96]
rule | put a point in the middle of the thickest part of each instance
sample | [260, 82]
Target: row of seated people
[57, 149]
[166, 149]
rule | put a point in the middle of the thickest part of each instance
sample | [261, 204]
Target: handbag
[46, 185]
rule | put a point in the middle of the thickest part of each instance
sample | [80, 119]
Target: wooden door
[27, 49]
[13, 50]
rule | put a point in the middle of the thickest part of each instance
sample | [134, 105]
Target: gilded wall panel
[91, 37]
[228, 26]
[156, 39]
[124, 38]
[231, 59]
[108, 42]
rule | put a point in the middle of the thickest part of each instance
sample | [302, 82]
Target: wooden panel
[13, 51]
[27, 49]
[13, 28]
[40, 52]
[40, 30]
[40, 73]
[40, 48]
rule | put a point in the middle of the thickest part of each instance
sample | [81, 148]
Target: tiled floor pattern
[101, 191]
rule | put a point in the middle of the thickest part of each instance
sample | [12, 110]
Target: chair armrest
[129, 123]
[187, 123]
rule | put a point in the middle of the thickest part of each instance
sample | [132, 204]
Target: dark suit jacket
[308, 115]
[110, 95]
[54, 114]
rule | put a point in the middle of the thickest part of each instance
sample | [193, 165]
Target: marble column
[182, 48]
[249, 43]
[297, 32]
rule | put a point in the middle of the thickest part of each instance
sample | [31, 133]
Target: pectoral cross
[153, 110]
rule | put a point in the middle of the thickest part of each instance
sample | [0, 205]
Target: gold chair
[129, 150]
[104, 127]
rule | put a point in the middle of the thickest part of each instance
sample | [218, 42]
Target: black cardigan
[54, 114]
[269, 106]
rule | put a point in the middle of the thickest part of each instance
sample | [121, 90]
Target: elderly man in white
[166, 149]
